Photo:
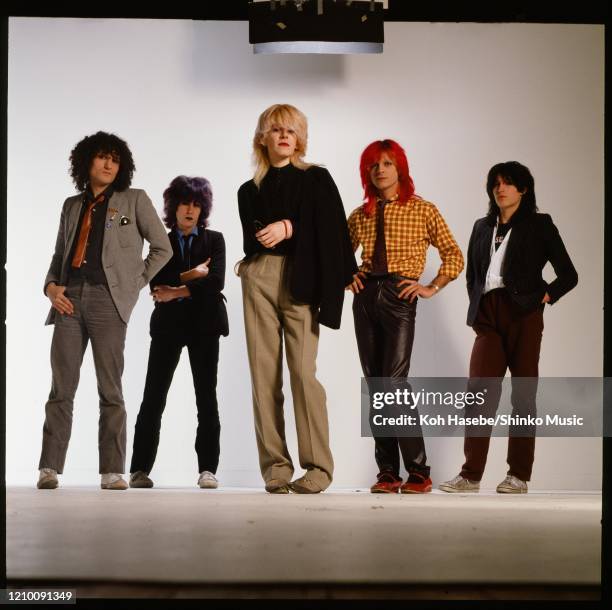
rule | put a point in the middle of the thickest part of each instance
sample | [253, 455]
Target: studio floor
[177, 542]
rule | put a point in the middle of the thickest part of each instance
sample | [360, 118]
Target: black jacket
[533, 242]
[323, 262]
[205, 311]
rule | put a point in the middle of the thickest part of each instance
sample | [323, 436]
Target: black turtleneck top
[322, 257]
[276, 199]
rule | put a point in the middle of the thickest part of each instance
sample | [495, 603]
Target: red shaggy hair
[369, 157]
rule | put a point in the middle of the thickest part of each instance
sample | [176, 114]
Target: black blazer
[323, 262]
[205, 311]
[533, 242]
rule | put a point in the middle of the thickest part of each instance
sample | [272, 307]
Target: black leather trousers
[384, 327]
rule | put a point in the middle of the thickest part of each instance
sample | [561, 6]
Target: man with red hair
[395, 227]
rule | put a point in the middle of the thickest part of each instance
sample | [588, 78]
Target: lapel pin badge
[112, 212]
[124, 220]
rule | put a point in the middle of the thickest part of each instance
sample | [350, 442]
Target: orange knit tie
[79, 251]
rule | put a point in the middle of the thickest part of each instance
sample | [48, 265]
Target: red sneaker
[387, 483]
[416, 484]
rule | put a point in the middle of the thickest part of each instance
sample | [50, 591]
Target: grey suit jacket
[126, 272]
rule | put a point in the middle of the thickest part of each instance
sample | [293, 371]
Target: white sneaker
[47, 479]
[113, 480]
[512, 485]
[460, 485]
[208, 480]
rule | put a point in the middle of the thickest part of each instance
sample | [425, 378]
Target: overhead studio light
[316, 26]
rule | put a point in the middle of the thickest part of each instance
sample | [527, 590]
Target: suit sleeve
[152, 229]
[469, 270]
[214, 282]
[567, 277]
[335, 250]
[339, 236]
[55, 268]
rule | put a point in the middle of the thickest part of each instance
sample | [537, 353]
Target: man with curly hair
[93, 282]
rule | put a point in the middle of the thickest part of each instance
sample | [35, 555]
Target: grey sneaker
[460, 485]
[113, 480]
[47, 479]
[208, 480]
[512, 485]
[140, 479]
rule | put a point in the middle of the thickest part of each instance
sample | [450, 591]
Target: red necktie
[79, 251]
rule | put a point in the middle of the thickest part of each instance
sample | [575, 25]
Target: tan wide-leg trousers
[270, 314]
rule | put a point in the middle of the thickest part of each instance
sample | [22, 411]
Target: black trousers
[384, 327]
[164, 355]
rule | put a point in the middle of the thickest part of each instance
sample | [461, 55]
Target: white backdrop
[186, 96]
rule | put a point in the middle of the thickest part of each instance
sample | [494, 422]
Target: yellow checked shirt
[409, 230]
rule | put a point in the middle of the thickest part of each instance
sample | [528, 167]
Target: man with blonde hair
[298, 259]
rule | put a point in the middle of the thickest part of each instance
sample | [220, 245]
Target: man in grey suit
[93, 282]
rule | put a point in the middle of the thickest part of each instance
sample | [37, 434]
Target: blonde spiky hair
[283, 115]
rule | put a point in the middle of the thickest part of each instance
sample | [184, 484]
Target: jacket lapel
[72, 224]
[200, 244]
[516, 244]
[177, 259]
[117, 207]
[485, 247]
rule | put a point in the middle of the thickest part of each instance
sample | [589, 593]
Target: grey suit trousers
[271, 315]
[95, 319]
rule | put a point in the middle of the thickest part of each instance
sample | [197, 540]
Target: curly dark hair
[517, 174]
[184, 189]
[86, 150]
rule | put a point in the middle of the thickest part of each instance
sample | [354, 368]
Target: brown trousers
[271, 315]
[506, 337]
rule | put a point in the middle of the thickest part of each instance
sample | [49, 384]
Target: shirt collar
[107, 192]
[194, 231]
[391, 199]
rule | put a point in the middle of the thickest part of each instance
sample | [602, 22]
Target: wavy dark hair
[89, 147]
[184, 189]
[517, 174]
